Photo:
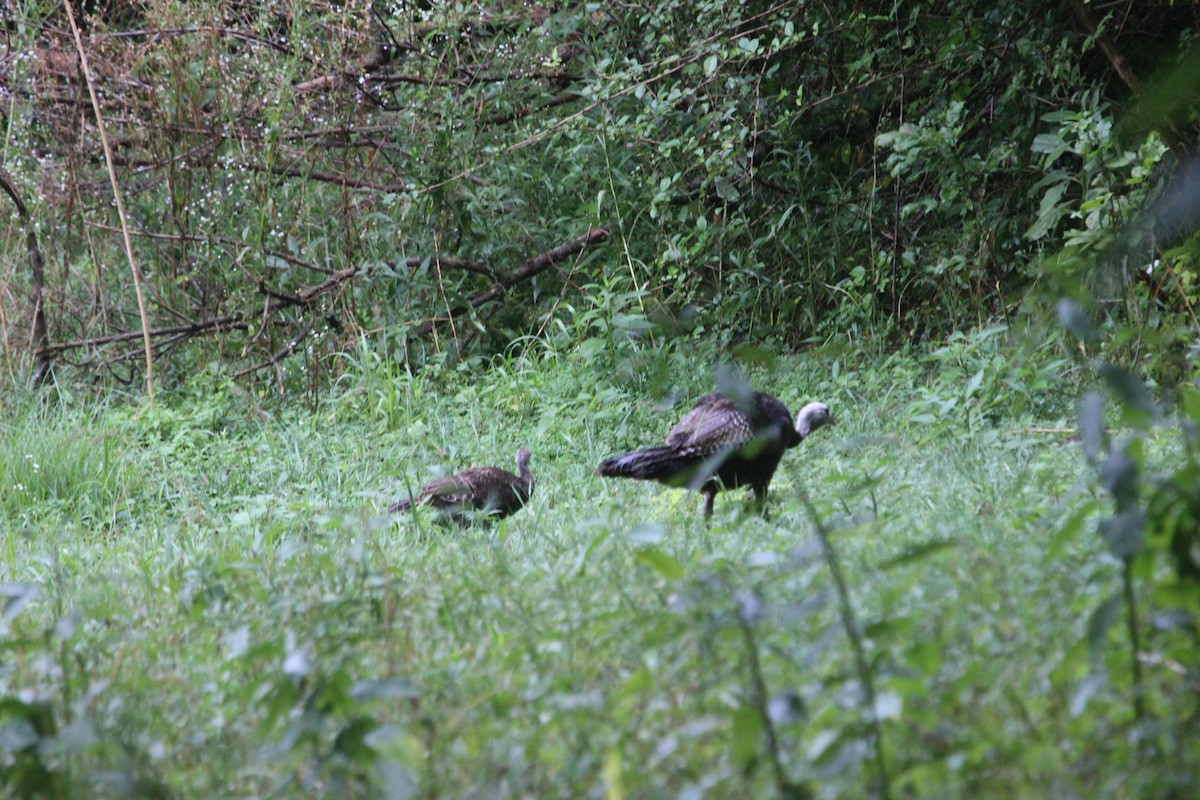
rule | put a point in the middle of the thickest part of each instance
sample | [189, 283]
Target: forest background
[972, 217]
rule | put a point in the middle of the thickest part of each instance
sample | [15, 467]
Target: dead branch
[513, 116]
[37, 269]
[528, 269]
[306, 296]
[232, 321]
[288, 349]
[208, 240]
[324, 177]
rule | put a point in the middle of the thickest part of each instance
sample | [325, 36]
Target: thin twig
[116, 187]
[516, 114]
[530, 268]
[211, 240]
[223, 322]
[286, 351]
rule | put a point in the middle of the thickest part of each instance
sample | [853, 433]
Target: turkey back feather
[476, 492]
[722, 443]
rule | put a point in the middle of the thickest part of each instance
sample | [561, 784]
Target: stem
[112, 175]
[760, 701]
[1135, 641]
[856, 642]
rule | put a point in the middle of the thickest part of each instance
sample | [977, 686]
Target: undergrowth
[208, 598]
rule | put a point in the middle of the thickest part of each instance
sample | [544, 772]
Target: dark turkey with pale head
[722, 443]
[475, 493]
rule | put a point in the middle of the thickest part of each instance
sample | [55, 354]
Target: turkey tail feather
[651, 464]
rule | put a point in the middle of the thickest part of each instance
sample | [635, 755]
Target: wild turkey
[722, 443]
[477, 492]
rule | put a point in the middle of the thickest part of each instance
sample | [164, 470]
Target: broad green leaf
[1091, 426]
[1119, 477]
[1130, 391]
[1084, 692]
[384, 689]
[1071, 527]
[1100, 621]
[745, 737]
[974, 383]
[585, 555]
[1073, 317]
[726, 190]
[926, 656]
[660, 562]
[1050, 212]
[918, 552]
[1124, 533]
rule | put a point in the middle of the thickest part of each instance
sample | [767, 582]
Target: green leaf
[744, 737]
[1100, 621]
[350, 740]
[726, 190]
[1130, 391]
[16, 596]
[1189, 402]
[974, 383]
[1049, 213]
[1091, 426]
[918, 552]
[660, 562]
[1050, 144]
[1119, 477]
[748, 45]
[1124, 533]
[585, 555]
[926, 657]
[710, 65]
[384, 689]
[1071, 527]
[1085, 691]
[1073, 317]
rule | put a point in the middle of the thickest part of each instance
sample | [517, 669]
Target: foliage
[440, 181]
[252, 625]
[457, 229]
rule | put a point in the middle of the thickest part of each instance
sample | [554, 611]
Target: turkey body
[722, 443]
[478, 492]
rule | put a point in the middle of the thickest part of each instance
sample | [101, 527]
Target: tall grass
[254, 625]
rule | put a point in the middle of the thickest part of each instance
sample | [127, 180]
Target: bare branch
[224, 322]
[513, 116]
[288, 349]
[37, 271]
[531, 267]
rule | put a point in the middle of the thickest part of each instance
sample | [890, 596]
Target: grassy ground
[208, 600]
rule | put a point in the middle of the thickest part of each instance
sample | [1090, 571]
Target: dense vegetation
[443, 179]
[360, 245]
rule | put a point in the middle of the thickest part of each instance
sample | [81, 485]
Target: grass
[222, 608]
